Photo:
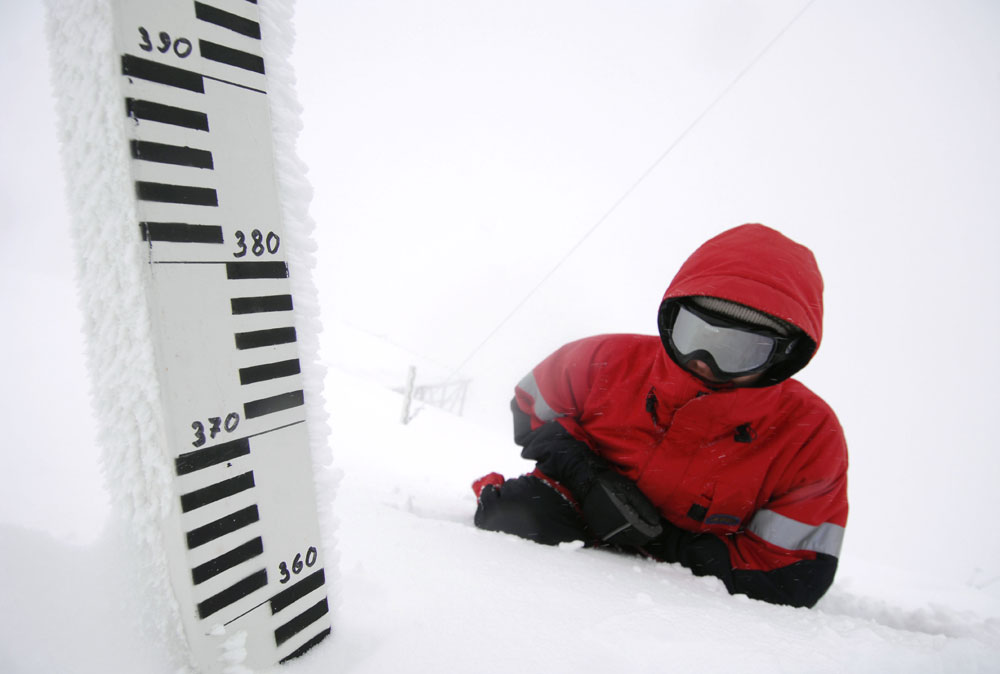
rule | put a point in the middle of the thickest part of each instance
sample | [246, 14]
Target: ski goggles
[729, 348]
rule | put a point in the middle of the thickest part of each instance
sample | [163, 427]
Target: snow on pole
[192, 240]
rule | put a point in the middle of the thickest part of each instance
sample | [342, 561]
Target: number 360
[297, 565]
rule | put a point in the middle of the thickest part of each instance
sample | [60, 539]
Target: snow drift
[422, 590]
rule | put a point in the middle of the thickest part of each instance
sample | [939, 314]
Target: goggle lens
[735, 351]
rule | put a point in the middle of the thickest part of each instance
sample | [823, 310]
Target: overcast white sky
[460, 148]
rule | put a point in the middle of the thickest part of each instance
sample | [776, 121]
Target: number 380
[259, 243]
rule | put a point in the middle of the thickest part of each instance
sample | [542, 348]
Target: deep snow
[422, 590]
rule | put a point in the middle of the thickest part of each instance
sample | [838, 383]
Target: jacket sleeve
[788, 551]
[555, 391]
[800, 583]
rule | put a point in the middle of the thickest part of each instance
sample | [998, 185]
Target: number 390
[182, 46]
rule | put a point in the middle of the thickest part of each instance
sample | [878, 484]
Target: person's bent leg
[528, 507]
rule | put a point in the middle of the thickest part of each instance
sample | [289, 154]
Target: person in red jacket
[695, 447]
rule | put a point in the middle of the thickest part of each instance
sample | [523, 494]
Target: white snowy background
[459, 150]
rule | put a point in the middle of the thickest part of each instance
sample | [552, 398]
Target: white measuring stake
[241, 534]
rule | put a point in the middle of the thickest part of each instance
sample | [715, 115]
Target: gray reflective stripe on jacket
[541, 408]
[791, 534]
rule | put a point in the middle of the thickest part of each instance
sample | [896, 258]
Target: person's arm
[615, 511]
[787, 554]
[751, 565]
[547, 406]
[557, 389]
[788, 551]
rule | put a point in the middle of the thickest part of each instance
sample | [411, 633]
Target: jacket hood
[761, 268]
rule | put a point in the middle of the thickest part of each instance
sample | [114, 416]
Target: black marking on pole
[238, 271]
[249, 610]
[261, 304]
[235, 84]
[301, 621]
[224, 562]
[179, 155]
[186, 262]
[232, 594]
[152, 71]
[268, 371]
[292, 594]
[233, 22]
[211, 456]
[167, 114]
[259, 338]
[216, 492]
[231, 57]
[222, 526]
[180, 232]
[279, 428]
[278, 403]
[176, 194]
[301, 650]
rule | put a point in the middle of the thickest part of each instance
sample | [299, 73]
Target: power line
[638, 181]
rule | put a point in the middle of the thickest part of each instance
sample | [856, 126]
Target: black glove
[618, 513]
[613, 507]
[704, 553]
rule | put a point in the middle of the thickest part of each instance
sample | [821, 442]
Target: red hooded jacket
[762, 469]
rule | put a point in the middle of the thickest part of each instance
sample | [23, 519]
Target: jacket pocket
[727, 510]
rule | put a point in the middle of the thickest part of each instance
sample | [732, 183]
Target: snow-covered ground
[458, 150]
[421, 590]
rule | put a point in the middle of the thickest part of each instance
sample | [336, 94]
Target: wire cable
[632, 188]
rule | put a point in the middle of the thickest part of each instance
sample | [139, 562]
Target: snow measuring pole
[239, 528]
[247, 550]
